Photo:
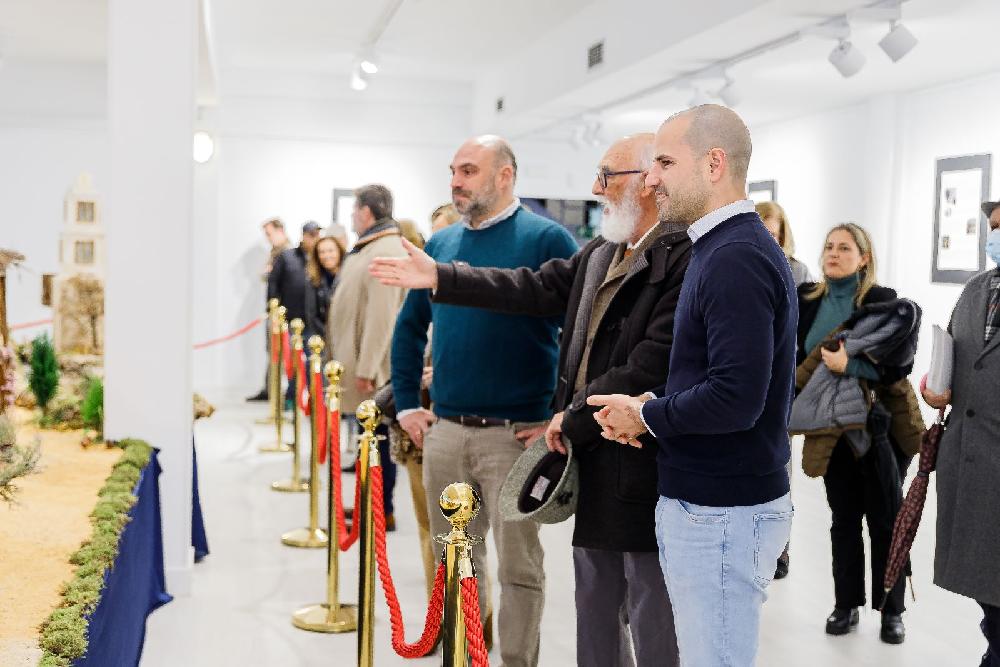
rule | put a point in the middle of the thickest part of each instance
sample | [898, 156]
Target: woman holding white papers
[968, 480]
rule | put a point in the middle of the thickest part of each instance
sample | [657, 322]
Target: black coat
[808, 309]
[618, 484]
[287, 282]
[318, 305]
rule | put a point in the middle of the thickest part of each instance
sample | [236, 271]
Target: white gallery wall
[874, 164]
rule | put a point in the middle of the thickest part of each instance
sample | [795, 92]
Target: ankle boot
[841, 621]
[893, 631]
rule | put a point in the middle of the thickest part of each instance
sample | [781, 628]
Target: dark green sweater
[836, 306]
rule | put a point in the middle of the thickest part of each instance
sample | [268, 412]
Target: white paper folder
[942, 361]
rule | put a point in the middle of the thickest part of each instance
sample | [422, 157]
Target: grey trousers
[483, 457]
[618, 591]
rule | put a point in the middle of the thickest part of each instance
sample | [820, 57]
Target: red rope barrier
[239, 332]
[344, 539]
[29, 325]
[474, 641]
[286, 353]
[303, 391]
[322, 417]
[435, 608]
[275, 341]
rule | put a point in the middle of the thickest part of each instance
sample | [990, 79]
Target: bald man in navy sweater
[725, 512]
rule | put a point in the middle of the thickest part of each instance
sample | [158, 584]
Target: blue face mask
[993, 245]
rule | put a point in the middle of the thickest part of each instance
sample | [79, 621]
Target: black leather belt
[477, 421]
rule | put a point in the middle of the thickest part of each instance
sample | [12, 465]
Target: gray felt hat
[542, 485]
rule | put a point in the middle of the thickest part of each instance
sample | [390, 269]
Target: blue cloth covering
[135, 586]
[199, 540]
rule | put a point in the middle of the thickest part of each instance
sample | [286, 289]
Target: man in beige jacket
[363, 312]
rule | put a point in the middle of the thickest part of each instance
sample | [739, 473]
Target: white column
[152, 51]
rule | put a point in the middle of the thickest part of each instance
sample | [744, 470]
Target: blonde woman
[854, 490]
[777, 224]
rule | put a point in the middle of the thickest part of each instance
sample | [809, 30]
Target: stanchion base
[305, 538]
[321, 618]
[291, 485]
[275, 448]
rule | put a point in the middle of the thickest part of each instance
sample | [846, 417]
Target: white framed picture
[961, 185]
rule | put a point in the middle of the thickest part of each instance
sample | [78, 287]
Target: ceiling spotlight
[898, 42]
[359, 80]
[847, 59]
[730, 93]
[368, 60]
[369, 66]
[204, 147]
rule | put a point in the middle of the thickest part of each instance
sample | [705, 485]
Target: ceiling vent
[595, 55]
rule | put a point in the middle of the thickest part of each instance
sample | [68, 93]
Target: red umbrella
[908, 518]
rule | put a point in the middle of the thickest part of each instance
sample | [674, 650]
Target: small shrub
[43, 376]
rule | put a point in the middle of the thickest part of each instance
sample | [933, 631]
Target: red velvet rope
[286, 352]
[344, 539]
[474, 641]
[303, 391]
[321, 417]
[435, 608]
[274, 348]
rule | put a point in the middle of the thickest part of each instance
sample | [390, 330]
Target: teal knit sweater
[836, 306]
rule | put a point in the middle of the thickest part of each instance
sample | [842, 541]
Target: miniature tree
[92, 408]
[43, 377]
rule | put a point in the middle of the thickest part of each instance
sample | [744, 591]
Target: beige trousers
[483, 457]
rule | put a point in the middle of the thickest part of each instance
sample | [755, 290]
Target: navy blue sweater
[485, 363]
[722, 422]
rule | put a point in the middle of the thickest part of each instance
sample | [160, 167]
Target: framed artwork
[961, 185]
[761, 191]
[343, 205]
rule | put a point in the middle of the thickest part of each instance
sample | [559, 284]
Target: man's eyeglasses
[602, 175]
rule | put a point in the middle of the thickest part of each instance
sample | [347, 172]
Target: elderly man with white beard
[618, 296]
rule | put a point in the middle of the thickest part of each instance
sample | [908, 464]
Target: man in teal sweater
[494, 377]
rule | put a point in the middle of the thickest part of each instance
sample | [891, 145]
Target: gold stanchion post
[312, 537]
[272, 396]
[295, 484]
[459, 503]
[331, 616]
[278, 326]
[368, 416]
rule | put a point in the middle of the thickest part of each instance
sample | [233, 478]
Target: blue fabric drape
[135, 586]
[199, 540]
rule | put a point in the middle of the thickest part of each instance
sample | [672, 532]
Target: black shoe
[841, 621]
[893, 631]
[259, 396]
[781, 571]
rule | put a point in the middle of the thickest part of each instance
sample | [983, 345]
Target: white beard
[619, 223]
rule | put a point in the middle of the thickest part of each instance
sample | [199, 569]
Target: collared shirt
[499, 217]
[707, 223]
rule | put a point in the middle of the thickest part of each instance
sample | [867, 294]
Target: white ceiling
[451, 40]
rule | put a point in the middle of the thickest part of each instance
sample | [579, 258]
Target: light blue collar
[710, 221]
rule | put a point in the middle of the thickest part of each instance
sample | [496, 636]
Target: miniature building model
[78, 305]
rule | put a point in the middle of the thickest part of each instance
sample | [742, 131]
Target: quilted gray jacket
[884, 333]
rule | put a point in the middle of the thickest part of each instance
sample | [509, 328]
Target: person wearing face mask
[968, 465]
[856, 479]
[617, 297]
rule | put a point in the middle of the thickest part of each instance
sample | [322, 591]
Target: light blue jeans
[717, 563]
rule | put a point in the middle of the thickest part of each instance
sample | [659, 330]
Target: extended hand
[417, 270]
[553, 434]
[619, 417]
[835, 361]
[416, 424]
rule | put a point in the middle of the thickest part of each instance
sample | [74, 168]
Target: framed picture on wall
[343, 205]
[761, 191]
[961, 185]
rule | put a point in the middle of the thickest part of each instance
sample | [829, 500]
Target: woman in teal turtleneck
[852, 487]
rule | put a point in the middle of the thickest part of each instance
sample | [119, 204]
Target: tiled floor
[244, 593]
